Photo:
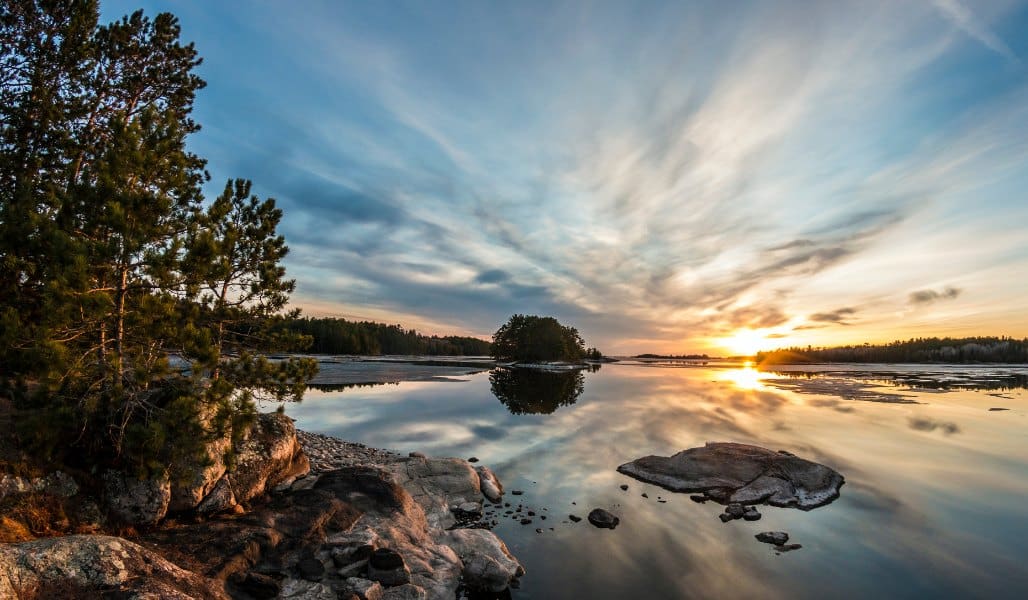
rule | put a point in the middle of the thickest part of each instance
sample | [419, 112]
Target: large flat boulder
[740, 473]
[437, 484]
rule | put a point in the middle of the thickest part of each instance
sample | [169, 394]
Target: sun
[744, 342]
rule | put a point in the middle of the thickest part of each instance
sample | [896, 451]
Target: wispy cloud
[714, 171]
[839, 316]
[962, 17]
[928, 296]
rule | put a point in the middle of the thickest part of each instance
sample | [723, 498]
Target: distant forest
[917, 350]
[674, 356]
[339, 336]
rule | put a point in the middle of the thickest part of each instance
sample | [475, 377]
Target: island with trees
[531, 339]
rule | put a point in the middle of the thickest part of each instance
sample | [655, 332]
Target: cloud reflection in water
[921, 515]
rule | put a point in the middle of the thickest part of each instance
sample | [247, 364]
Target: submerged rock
[740, 473]
[603, 519]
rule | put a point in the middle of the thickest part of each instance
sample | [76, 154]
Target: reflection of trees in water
[338, 387]
[530, 391]
[924, 380]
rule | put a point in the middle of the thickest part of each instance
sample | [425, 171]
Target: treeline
[674, 356]
[339, 336]
[916, 350]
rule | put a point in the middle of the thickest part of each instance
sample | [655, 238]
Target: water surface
[935, 502]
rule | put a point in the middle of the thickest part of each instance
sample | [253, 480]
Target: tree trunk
[119, 340]
[221, 329]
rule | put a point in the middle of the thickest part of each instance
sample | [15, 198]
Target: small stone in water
[603, 519]
[735, 510]
[773, 537]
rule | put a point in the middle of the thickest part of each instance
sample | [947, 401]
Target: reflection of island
[531, 391]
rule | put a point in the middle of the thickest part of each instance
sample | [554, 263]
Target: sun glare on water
[746, 378]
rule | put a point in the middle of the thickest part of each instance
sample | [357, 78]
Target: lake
[935, 502]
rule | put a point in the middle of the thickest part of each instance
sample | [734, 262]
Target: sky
[675, 177]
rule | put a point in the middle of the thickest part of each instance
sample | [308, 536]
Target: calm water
[935, 502]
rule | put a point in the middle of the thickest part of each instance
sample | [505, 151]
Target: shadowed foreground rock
[343, 531]
[743, 474]
[365, 524]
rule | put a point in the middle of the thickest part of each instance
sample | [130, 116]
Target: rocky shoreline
[336, 520]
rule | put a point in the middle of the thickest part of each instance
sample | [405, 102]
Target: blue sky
[676, 177]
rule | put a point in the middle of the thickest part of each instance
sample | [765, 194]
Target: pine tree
[242, 290]
[111, 266]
